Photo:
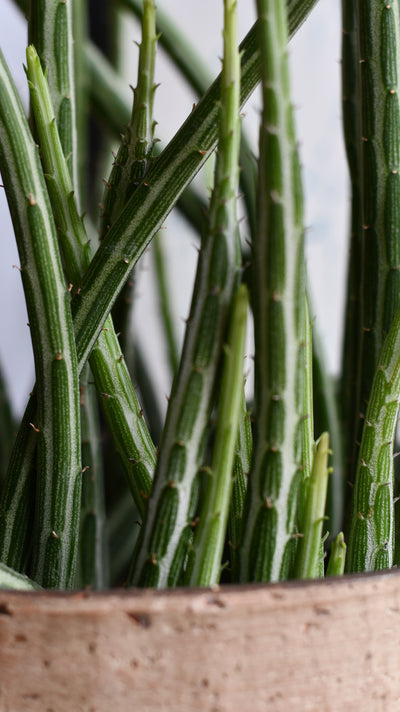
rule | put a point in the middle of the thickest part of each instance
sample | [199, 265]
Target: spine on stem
[162, 544]
[283, 436]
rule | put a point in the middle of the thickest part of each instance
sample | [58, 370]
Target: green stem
[7, 429]
[379, 63]
[93, 561]
[59, 478]
[371, 535]
[283, 442]
[204, 565]
[13, 580]
[352, 334]
[309, 548]
[50, 25]
[337, 558]
[241, 469]
[160, 553]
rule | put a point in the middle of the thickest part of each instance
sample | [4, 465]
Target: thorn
[84, 469]
[18, 268]
[34, 427]
[54, 535]
[59, 356]
[32, 200]
[70, 287]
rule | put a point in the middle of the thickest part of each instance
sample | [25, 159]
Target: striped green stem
[135, 151]
[241, 469]
[352, 331]
[50, 25]
[204, 564]
[309, 547]
[337, 559]
[59, 468]
[80, 37]
[283, 442]
[379, 62]
[132, 160]
[156, 195]
[93, 560]
[371, 535]
[162, 544]
[18, 496]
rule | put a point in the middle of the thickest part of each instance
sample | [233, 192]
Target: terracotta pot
[330, 645]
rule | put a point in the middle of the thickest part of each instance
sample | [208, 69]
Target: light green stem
[337, 558]
[309, 548]
[13, 580]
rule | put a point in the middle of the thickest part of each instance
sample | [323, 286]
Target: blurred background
[315, 79]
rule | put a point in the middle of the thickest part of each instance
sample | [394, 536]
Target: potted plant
[232, 487]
